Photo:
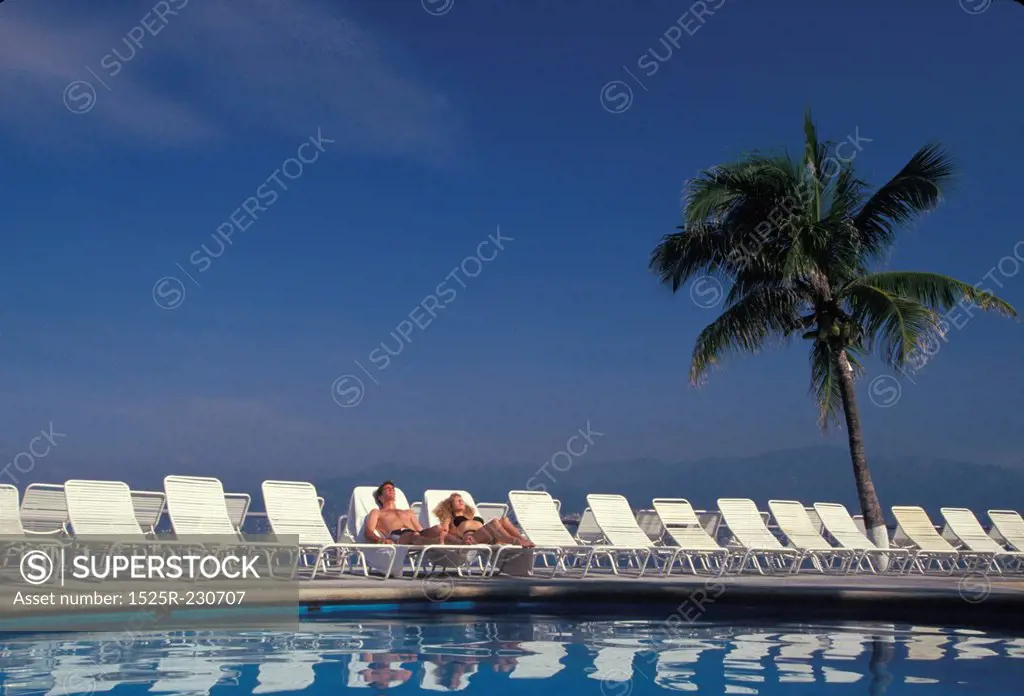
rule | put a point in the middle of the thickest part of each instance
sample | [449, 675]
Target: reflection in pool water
[613, 658]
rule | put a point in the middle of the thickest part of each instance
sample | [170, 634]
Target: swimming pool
[516, 655]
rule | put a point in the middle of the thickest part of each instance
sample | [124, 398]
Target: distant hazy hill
[808, 475]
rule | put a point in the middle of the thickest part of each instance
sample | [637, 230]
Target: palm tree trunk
[874, 522]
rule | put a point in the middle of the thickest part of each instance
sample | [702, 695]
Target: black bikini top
[457, 521]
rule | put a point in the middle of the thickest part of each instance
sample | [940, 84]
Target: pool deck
[973, 599]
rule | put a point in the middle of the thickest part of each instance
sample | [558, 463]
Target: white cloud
[218, 68]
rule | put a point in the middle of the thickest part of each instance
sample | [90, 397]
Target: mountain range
[810, 475]
[807, 474]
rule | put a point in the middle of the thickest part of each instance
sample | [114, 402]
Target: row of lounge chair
[826, 535]
[610, 536]
[43, 508]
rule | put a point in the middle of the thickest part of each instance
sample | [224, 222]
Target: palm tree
[799, 246]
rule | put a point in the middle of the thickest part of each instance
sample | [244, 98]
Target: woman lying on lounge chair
[459, 521]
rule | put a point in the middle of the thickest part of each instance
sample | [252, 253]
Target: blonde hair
[445, 511]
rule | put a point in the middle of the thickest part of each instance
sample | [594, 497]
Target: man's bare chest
[391, 518]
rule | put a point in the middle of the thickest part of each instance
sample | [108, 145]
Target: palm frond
[815, 155]
[699, 249]
[717, 191]
[746, 326]
[915, 190]
[842, 255]
[936, 291]
[815, 152]
[844, 195]
[707, 194]
[754, 208]
[825, 384]
[898, 325]
[825, 381]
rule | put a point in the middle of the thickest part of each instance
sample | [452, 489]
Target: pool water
[522, 654]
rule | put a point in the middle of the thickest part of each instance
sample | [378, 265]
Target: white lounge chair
[917, 532]
[843, 528]
[1008, 528]
[803, 535]
[711, 521]
[683, 528]
[103, 512]
[650, 522]
[199, 514]
[293, 511]
[44, 509]
[614, 517]
[538, 517]
[434, 497]
[492, 511]
[10, 517]
[360, 506]
[238, 508]
[149, 508]
[812, 514]
[198, 507]
[12, 533]
[747, 526]
[965, 527]
[861, 525]
[102, 509]
[588, 531]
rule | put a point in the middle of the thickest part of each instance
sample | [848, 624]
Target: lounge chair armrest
[52, 532]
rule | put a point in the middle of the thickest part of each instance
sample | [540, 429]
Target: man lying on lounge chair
[389, 525]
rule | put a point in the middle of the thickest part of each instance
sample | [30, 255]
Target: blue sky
[445, 128]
